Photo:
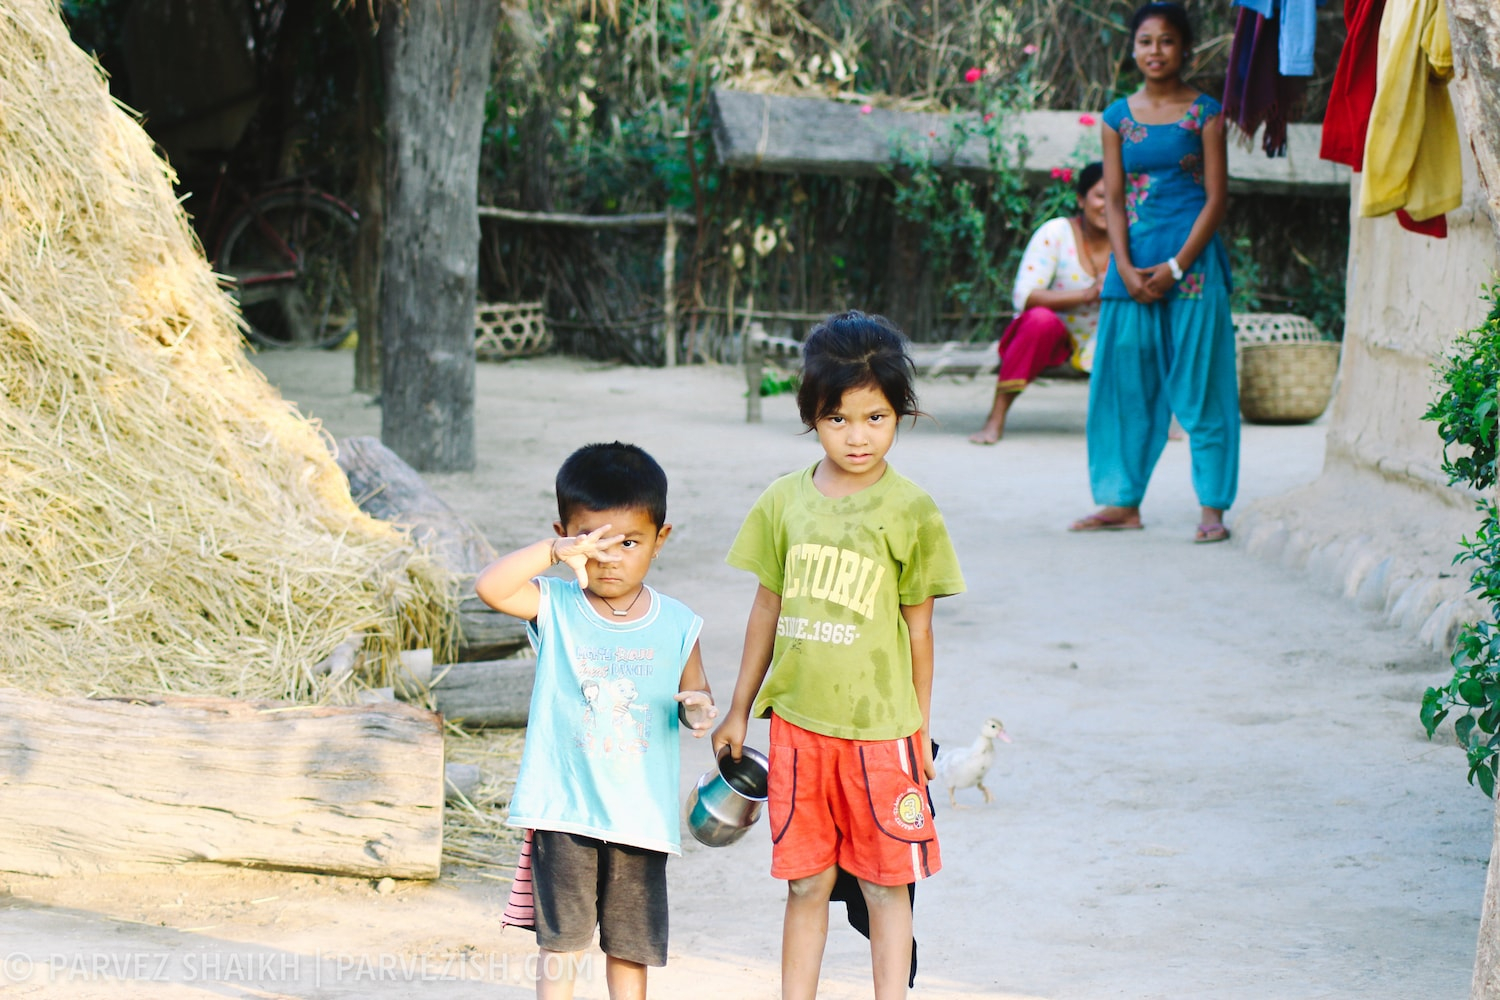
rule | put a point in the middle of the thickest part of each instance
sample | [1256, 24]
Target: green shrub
[1466, 415]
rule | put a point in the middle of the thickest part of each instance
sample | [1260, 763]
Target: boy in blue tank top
[617, 668]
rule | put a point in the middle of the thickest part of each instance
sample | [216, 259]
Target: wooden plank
[90, 786]
[802, 135]
[954, 358]
[570, 220]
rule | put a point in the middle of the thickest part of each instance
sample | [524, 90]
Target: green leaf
[1472, 692]
[1486, 776]
[1432, 711]
[1463, 728]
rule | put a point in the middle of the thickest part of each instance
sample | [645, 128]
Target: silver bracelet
[1175, 268]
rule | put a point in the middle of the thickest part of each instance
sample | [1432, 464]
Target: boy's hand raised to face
[577, 550]
[697, 711]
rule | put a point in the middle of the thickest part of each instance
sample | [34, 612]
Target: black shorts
[580, 883]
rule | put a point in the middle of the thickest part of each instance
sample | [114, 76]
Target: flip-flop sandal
[1096, 523]
[1208, 534]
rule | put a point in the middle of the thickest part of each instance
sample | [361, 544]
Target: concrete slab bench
[952, 357]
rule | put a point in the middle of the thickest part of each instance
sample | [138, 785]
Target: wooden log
[483, 694]
[460, 781]
[90, 786]
[803, 135]
[386, 487]
[487, 634]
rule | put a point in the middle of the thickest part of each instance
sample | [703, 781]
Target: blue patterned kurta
[1175, 355]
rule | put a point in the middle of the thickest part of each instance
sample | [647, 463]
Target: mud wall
[1381, 524]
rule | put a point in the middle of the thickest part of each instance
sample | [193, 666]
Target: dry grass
[167, 521]
[474, 830]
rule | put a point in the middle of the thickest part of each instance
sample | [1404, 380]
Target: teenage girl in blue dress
[1166, 340]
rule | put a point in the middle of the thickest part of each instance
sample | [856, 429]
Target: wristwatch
[1175, 268]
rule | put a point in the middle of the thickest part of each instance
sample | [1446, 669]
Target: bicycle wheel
[291, 255]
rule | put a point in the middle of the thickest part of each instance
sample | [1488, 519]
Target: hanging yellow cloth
[1411, 148]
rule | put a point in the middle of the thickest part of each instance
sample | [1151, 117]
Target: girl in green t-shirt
[850, 556]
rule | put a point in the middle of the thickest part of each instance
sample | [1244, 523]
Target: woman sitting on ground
[1056, 298]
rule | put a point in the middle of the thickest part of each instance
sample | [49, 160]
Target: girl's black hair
[1087, 178]
[612, 476]
[1173, 13]
[850, 350]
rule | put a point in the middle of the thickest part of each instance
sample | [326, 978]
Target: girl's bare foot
[985, 435]
[994, 425]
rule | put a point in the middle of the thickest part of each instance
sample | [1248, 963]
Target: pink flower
[1030, 50]
[932, 135]
[865, 109]
[1064, 174]
[1087, 120]
[973, 75]
[988, 115]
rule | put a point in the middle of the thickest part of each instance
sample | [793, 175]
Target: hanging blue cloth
[1299, 31]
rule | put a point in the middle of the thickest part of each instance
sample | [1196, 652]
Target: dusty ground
[1218, 786]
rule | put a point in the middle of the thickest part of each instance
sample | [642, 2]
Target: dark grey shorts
[579, 882]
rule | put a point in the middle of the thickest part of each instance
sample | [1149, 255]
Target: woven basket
[1273, 328]
[510, 330]
[1287, 383]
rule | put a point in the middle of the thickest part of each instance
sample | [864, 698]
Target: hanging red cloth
[1353, 91]
[1436, 227]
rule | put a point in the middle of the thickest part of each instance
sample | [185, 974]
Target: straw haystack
[167, 521]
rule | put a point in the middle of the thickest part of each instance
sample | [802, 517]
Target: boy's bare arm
[695, 702]
[505, 584]
[755, 660]
[919, 630]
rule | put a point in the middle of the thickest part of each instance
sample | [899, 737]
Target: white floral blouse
[1051, 262]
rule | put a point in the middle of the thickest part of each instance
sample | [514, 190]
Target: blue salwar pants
[1151, 361]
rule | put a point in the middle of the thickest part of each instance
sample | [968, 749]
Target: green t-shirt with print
[844, 566]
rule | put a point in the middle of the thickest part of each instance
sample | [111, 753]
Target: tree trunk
[437, 68]
[1475, 26]
[369, 195]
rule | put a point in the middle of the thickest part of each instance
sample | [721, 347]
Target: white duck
[966, 767]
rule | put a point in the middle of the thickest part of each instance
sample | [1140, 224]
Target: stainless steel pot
[728, 799]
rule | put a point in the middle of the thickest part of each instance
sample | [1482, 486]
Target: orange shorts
[859, 804]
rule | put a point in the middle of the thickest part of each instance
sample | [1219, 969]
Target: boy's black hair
[1087, 178]
[1173, 13]
[850, 350]
[611, 477]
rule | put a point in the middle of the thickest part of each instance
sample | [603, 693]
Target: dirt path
[1218, 786]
